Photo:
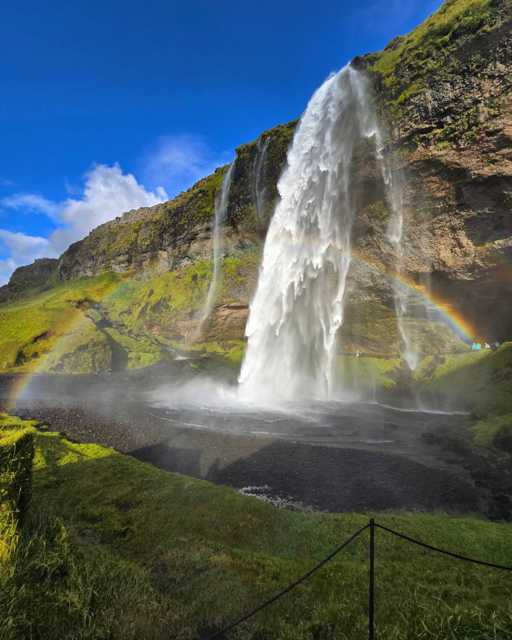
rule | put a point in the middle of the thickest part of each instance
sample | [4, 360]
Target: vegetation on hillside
[117, 321]
[142, 232]
[115, 548]
[433, 75]
[430, 44]
[481, 381]
[33, 327]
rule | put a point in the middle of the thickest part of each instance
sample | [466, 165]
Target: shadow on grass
[326, 478]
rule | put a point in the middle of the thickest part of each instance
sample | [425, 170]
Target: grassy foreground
[114, 548]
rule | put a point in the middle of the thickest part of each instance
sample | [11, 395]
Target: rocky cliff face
[175, 233]
[444, 92]
[39, 275]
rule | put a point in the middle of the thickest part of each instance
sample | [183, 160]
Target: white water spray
[221, 207]
[298, 307]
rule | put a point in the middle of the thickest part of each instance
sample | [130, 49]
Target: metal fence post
[371, 586]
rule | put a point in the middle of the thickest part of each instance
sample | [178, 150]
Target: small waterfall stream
[221, 207]
[394, 187]
[257, 170]
[298, 306]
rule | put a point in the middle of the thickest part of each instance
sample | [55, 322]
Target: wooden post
[371, 589]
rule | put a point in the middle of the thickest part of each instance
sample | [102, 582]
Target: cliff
[170, 235]
[445, 93]
[39, 275]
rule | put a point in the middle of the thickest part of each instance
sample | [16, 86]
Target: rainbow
[446, 312]
[68, 325]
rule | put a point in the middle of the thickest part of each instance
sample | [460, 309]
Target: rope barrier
[289, 588]
[443, 551]
[371, 525]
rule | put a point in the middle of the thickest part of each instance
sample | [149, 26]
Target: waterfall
[221, 207]
[394, 187]
[257, 170]
[298, 306]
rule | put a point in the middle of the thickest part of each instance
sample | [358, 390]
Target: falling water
[298, 306]
[259, 161]
[394, 183]
[221, 207]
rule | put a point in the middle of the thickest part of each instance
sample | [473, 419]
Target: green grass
[164, 308]
[57, 331]
[32, 328]
[494, 432]
[366, 374]
[480, 381]
[16, 451]
[231, 350]
[115, 548]
[429, 43]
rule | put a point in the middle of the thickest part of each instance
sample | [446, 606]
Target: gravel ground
[345, 458]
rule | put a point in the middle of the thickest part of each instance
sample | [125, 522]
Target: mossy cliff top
[435, 41]
[449, 74]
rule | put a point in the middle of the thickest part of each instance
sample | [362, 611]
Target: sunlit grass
[117, 548]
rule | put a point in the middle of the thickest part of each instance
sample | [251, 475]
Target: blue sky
[111, 105]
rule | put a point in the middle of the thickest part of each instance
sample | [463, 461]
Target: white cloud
[21, 249]
[179, 161]
[23, 244]
[107, 193]
[29, 203]
[7, 266]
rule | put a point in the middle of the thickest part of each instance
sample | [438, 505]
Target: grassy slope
[56, 331]
[115, 548]
[430, 45]
[481, 381]
[32, 327]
